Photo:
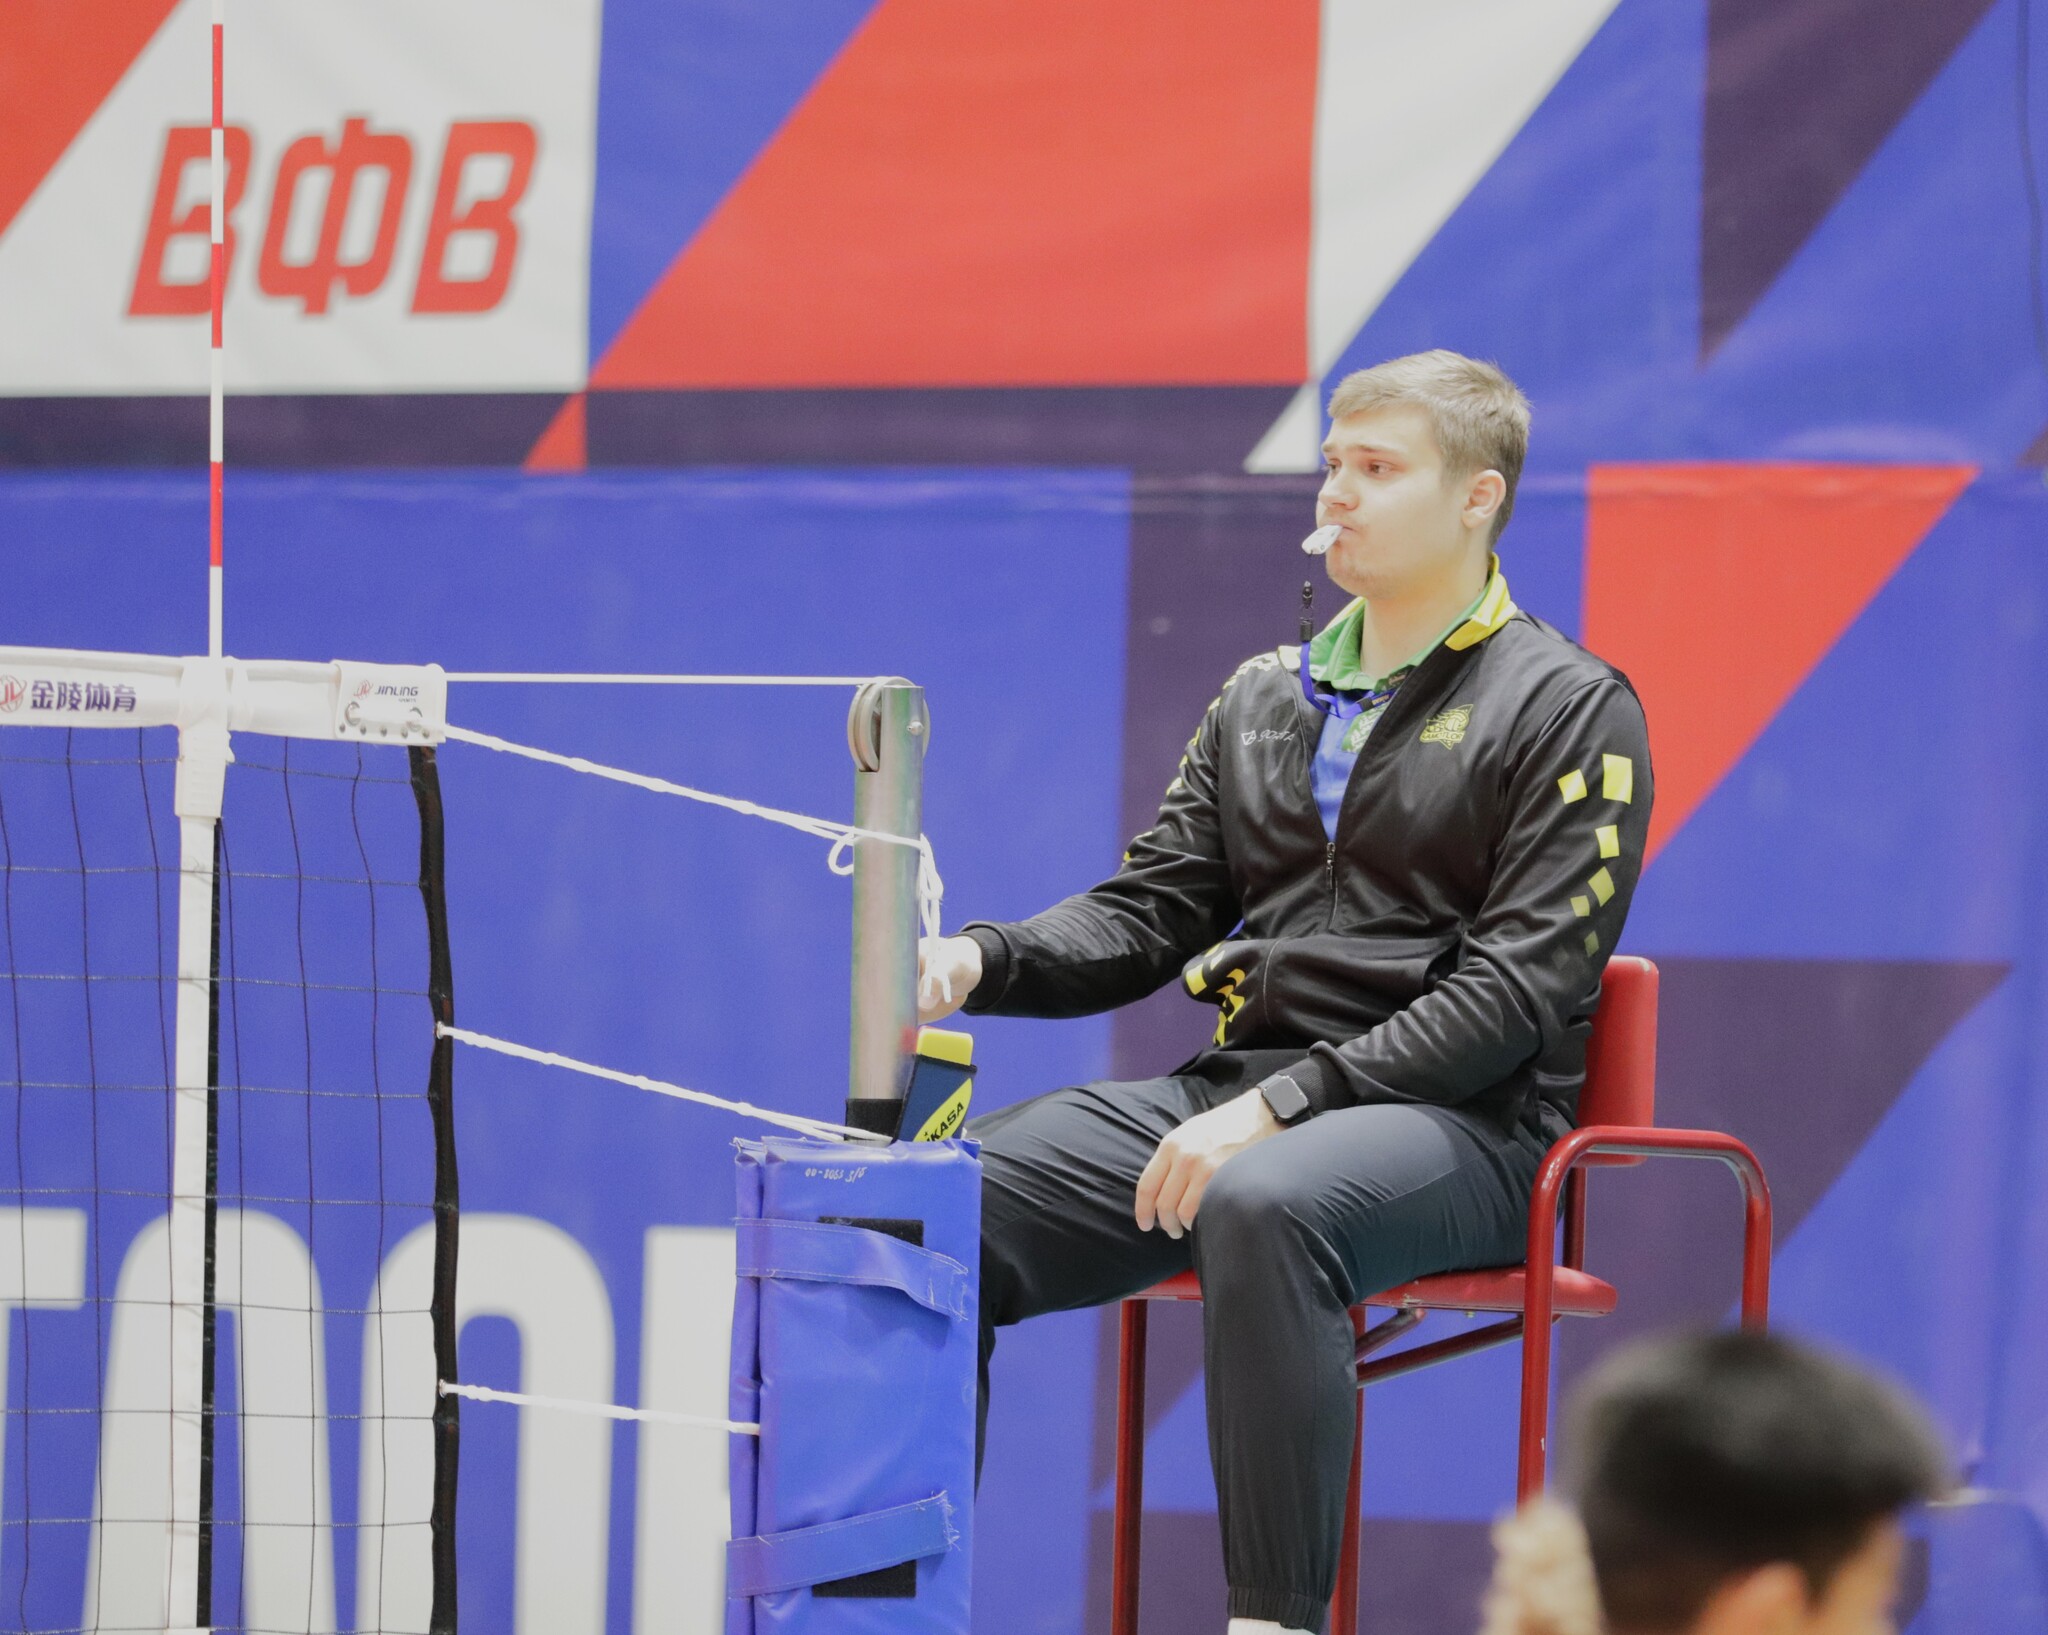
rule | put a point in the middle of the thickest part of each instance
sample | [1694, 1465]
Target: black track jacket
[1446, 948]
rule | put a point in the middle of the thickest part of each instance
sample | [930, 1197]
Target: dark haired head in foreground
[1728, 1484]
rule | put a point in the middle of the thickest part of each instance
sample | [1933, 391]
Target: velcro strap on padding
[817, 1252]
[839, 1549]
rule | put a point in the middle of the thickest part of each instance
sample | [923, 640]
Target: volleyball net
[230, 1041]
[223, 954]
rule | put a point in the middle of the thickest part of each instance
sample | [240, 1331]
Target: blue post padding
[826, 1253]
[839, 1549]
[865, 1398]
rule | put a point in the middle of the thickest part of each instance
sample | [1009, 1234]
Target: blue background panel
[649, 933]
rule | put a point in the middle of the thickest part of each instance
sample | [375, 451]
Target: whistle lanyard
[1348, 709]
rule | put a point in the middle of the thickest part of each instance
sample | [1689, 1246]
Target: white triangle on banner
[1294, 442]
[1414, 103]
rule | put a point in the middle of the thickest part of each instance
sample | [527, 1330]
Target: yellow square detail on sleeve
[1572, 786]
[1609, 836]
[1582, 906]
[1618, 778]
[1602, 884]
[1592, 942]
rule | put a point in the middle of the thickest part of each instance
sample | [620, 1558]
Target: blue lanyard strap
[1346, 709]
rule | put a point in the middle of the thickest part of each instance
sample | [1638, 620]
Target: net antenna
[216, 386]
[195, 1157]
[208, 700]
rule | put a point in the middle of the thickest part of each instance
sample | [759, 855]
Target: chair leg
[1344, 1604]
[1535, 1425]
[1129, 1510]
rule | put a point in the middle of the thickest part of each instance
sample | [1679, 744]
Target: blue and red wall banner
[985, 344]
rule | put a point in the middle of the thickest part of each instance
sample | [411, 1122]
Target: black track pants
[1289, 1235]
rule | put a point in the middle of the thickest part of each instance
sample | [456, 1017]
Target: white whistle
[1322, 539]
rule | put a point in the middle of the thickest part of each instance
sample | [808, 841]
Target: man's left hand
[1170, 1190]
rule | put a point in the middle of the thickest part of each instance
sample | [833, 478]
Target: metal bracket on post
[887, 730]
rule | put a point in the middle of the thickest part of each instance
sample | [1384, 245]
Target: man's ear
[1483, 498]
[1768, 1600]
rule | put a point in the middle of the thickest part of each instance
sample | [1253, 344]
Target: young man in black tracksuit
[1397, 879]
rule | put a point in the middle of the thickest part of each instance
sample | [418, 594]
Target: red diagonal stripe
[1012, 192]
[58, 61]
[1718, 588]
[563, 445]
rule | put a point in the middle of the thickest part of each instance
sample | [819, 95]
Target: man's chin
[1349, 574]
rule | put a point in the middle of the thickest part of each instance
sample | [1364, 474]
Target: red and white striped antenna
[214, 393]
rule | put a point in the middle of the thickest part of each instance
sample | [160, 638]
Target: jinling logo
[88, 697]
[12, 690]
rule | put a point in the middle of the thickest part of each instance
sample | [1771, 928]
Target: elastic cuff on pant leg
[1284, 1607]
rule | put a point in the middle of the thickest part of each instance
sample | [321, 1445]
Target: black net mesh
[317, 1442]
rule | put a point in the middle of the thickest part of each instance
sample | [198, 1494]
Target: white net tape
[931, 890]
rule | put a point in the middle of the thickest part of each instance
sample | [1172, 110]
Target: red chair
[1617, 1108]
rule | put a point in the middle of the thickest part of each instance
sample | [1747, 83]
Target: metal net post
[203, 758]
[887, 730]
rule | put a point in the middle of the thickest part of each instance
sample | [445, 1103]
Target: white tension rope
[599, 1410]
[931, 891]
[746, 1109]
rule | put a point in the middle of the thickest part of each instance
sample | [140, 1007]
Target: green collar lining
[1333, 657]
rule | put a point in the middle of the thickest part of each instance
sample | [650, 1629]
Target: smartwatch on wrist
[1285, 1099]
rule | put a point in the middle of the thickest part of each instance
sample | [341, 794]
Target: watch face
[1285, 1097]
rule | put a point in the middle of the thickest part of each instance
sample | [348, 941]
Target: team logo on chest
[1448, 726]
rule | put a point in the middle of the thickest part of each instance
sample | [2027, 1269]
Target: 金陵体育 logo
[86, 697]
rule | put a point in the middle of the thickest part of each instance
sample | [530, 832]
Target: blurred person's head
[1726, 1484]
[1419, 470]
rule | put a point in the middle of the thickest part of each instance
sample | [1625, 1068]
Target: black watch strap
[1287, 1100]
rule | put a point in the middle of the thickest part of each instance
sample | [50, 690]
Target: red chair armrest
[1558, 1166]
[1575, 1148]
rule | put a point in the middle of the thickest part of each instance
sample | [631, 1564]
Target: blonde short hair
[1480, 417]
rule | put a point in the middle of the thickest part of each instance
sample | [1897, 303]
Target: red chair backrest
[1621, 1055]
